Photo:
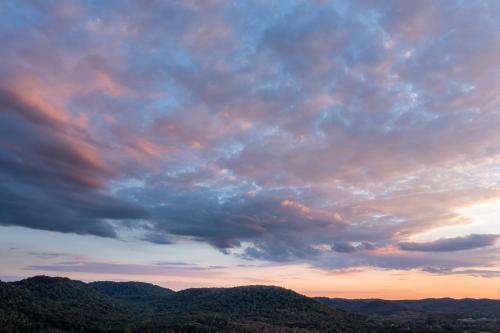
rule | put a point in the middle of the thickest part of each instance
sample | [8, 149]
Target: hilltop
[53, 304]
[59, 304]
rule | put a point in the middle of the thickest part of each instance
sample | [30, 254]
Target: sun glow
[484, 219]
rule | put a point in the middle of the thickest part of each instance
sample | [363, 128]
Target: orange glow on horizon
[352, 283]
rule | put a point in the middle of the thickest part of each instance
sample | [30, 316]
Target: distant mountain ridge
[453, 308]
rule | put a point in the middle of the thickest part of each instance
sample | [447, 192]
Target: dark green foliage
[253, 305]
[45, 304]
[131, 292]
[444, 307]
[427, 315]
[42, 303]
[364, 306]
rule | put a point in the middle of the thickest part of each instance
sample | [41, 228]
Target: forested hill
[131, 292]
[47, 304]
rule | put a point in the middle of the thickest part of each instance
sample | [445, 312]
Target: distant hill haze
[49, 304]
[454, 308]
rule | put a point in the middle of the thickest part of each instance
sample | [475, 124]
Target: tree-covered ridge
[42, 303]
[46, 304]
[260, 304]
[133, 292]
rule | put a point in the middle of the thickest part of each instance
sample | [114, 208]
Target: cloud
[343, 247]
[326, 134]
[451, 244]
[487, 273]
[226, 221]
[52, 178]
[157, 238]
[56, 255]
[123, 269]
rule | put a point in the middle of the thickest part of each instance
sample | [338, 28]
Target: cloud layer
[452, 244]
[330, 134]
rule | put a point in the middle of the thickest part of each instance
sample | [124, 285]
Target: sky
[338, 148]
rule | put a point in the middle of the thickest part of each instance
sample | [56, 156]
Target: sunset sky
[338, 148]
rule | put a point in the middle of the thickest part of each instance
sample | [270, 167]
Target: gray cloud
[451, 244]
[157, 238]
[126, 269]
[50, 178]
[487, 273]
[225, 222]
[345, 247]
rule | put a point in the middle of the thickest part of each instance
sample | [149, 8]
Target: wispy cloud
[125, 269]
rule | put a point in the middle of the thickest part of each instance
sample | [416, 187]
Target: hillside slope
[45, 304]
[131, 292]
[249, 306]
